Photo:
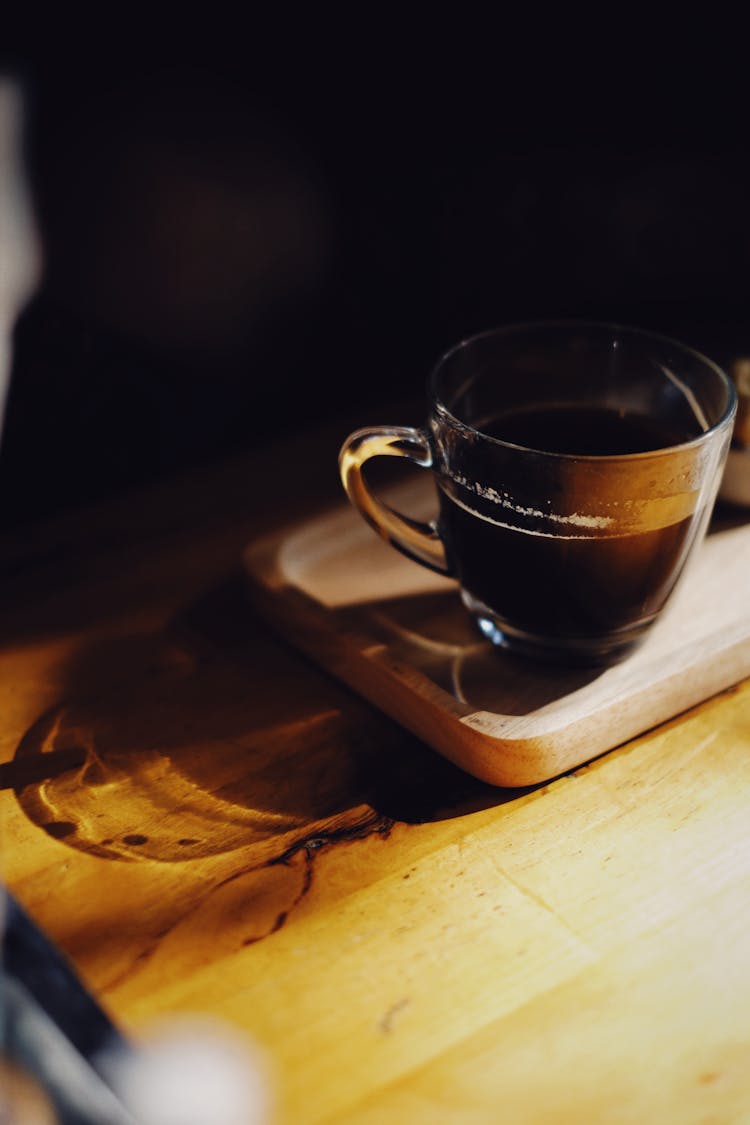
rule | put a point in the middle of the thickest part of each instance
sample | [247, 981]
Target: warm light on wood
[206, 822]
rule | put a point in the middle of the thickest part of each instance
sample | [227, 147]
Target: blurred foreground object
[19, 248]
[61, 1053]
[52, 1030]
[21, 1100]
[190, 1072]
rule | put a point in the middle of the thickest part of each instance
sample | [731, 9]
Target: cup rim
[524, 326]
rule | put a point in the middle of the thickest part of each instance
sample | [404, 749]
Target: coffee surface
[584, 431]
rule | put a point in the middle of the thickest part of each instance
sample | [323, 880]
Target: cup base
[595, 651]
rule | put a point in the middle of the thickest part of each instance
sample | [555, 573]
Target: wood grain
[207, 822]
[578, 954]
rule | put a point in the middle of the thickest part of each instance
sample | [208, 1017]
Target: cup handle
[419, 541]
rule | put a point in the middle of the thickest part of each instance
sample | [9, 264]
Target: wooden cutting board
[399, 635]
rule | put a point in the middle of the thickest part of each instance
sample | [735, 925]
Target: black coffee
[567, 584]
[585, 431]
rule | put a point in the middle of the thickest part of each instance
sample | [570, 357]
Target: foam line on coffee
[575, 519]
[514, 527]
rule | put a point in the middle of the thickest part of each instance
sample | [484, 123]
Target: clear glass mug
[576, 467]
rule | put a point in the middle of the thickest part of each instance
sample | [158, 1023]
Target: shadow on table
[215, 737]
[433, 633]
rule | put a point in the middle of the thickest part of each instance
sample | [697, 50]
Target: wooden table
[205, 822]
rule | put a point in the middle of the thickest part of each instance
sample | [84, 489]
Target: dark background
[251, 233]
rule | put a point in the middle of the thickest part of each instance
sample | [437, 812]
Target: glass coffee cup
[576, 468]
